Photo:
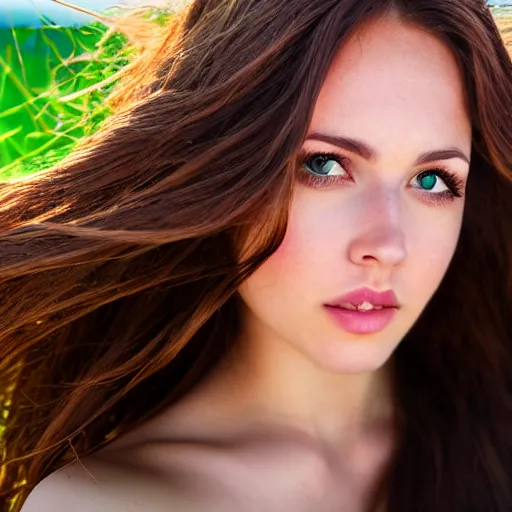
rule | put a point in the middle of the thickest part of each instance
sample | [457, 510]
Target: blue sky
[24, 12]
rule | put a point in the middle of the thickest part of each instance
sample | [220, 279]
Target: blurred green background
[41, 115]
[53, 83]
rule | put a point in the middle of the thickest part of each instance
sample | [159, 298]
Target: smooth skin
[299, 418]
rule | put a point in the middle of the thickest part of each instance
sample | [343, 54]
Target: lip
[363, 322]
[386, 299]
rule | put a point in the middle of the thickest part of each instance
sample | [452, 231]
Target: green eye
[431, 181]
[428, 180]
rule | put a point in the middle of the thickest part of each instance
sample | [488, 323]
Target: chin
[354, 360]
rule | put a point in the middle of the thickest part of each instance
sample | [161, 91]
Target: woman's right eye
[323, 164]
[320, 170]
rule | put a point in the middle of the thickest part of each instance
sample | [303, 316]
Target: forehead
[394, 80]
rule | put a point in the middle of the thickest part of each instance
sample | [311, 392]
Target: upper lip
[357, 297]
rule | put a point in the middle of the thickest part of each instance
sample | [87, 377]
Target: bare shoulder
[69, 487]
[97, 485]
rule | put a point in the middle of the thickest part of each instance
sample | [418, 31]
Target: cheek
[292, 254]
[283, 262]
[290, 265]
[284, 253]
[434, 250]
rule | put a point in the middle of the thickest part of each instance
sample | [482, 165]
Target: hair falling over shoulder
[119, 266]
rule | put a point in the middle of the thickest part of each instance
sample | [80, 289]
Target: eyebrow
[368, 153]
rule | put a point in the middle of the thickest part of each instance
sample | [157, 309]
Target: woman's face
[375, 217]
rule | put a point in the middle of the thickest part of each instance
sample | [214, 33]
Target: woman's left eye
[439, 182]
[431, 181]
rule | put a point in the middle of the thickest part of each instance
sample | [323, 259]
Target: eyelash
[454, 183]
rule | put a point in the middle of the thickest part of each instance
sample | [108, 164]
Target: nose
[379, 235]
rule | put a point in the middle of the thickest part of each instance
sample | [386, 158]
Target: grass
[53, 83]
[43, 114]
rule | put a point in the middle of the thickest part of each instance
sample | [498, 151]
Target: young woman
[279, 278]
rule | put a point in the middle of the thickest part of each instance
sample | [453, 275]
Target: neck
[267, 379]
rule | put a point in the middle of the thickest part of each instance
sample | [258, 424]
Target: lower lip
[361, 322]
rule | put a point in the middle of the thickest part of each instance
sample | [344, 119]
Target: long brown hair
[119, 267]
